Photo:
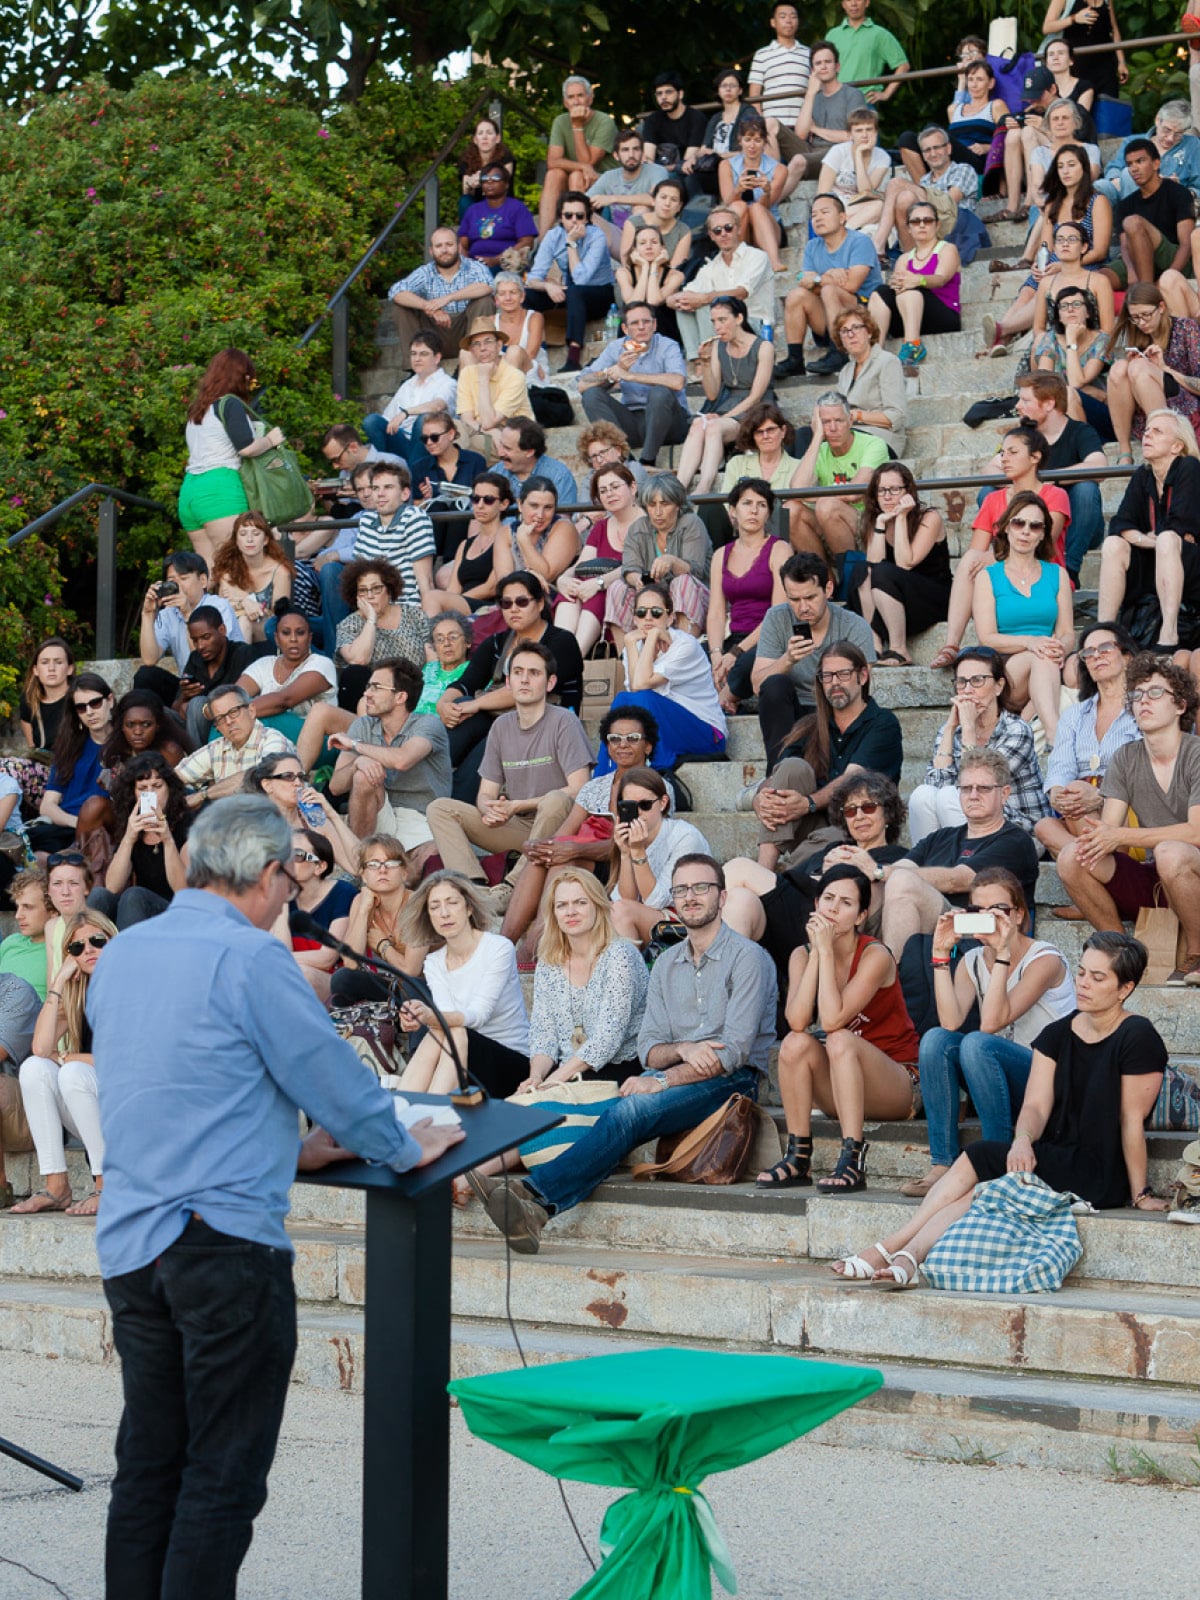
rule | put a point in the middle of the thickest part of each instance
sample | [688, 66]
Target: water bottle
[768, 333]
[612, 324]
[1043, 257]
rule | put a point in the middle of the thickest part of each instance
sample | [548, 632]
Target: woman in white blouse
[646, 845]
[472, 976]
[286, 686]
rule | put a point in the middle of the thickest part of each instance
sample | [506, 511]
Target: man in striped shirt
[782, 69]
[397, 531]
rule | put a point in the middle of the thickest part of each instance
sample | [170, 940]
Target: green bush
[143, 231]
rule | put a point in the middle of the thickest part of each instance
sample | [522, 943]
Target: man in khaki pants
[534, 763]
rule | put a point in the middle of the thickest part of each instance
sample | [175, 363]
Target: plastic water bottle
[1043, 257]
[612, 324]
[768, 333]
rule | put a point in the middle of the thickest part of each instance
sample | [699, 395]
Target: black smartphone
[627, 811]
[802, 630]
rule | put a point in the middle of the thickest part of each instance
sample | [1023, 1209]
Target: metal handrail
[106, 550]
[948, 71]
[969, 480]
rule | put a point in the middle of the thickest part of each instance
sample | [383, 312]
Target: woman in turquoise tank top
[1022, 607]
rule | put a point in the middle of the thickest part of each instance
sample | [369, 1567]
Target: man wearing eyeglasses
[649, 373]
[489, 390]
[706, 1034]
[947, 185]
[1151, 795]
[737, 269]
[217, 768]
[860, 735]
[442, 293]
[535, 761]
[937, 873]
[393, 763]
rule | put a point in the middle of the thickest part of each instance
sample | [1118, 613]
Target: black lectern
[406, 1411]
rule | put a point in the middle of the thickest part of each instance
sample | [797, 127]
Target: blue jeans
[207, 1337]
[1087, 523]
[405, 445]
[994, 1071]
[571, 1177]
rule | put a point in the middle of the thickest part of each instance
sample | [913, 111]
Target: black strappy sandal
[795, 1170]
[850, 1174]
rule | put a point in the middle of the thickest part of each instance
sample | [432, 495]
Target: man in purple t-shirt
[496, 223]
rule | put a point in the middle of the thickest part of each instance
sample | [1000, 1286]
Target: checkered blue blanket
[1018, 1235]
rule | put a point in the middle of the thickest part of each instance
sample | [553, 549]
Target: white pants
[55, 1096]
[694, 328]
[930, 809]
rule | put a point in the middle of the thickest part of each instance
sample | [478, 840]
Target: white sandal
[857, 1270]
[899, 1277]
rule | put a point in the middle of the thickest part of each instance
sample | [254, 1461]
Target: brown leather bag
[716, 1151]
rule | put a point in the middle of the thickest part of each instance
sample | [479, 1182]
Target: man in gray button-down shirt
[650, 373]
[707, 1032]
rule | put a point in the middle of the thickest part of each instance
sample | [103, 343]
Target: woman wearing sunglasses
[468, 582]
[58, 1080]
[74, 797]
[846, 983]
[1020, 985]
[282, 778]
[647, 843]
[668, 672]
[1023, 608]
[774, 909]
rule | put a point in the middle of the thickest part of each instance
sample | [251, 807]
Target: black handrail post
[432, 200]
[341, 348]
[106, 580]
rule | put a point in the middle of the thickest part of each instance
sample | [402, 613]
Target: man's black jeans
[207, 1337]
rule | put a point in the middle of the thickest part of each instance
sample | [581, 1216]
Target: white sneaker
[745, 800]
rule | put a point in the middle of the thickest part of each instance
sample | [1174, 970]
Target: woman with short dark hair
[1094, 1080]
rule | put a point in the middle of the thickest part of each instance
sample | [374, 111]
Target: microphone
[470, 1091]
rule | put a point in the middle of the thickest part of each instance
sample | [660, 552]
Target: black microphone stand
[470, 1091]
[46, 1468]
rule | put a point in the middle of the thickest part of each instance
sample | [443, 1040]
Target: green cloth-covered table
[657, 1422]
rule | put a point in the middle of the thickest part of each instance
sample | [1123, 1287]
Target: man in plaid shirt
[442, 294]
[218, 768]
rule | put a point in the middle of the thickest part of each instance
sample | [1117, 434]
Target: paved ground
[808, 1520]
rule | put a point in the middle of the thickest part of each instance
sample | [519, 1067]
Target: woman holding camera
[646, 845]
[1020, 985]
[847, 984]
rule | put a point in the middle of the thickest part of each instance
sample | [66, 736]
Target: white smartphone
[974, 922]
[147, 803]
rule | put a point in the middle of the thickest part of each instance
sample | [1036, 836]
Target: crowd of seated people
[407, 687]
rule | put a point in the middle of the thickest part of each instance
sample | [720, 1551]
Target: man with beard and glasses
[707, 1031]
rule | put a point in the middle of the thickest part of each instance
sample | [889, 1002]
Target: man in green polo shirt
[867, 50]
[580, 148]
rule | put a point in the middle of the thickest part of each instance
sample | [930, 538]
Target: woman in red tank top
[848, 985]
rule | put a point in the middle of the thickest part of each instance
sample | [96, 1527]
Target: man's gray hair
[576, 78]
[232, 841]
[1178, 113]
[976, 758]
[225, 691]
[833, 399]
[931, 128]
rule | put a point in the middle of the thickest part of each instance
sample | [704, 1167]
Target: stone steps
[1066, 1423]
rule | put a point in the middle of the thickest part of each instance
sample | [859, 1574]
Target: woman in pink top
[744, 584]
[925, 286]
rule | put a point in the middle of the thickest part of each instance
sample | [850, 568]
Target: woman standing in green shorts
[212, 496]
